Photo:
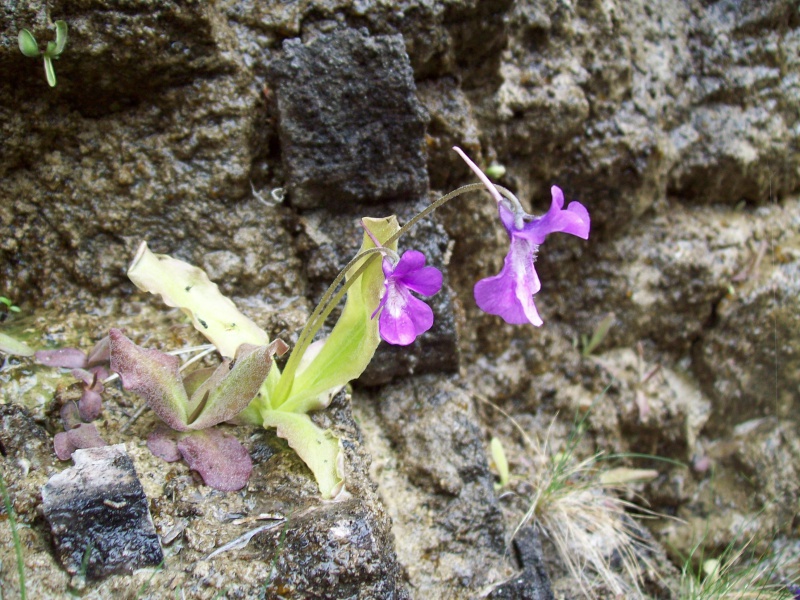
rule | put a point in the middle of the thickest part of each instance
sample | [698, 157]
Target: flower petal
[509, 294]
[426, 281]
[574, 220]
[404, 317]
[412, 260]
[411, 272]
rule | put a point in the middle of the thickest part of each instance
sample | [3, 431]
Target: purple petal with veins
[404, 317]
[509, 294]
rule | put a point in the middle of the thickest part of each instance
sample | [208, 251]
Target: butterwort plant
[379, 285]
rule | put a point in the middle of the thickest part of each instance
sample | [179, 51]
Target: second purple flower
[404, 317]
[509, 294]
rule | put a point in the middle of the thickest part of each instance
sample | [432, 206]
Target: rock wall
[676, 122]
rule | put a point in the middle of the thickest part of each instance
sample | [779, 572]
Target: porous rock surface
[675, 122]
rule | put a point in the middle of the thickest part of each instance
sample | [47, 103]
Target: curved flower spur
[509, 294]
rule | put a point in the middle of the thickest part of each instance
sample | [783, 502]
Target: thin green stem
[12, 522]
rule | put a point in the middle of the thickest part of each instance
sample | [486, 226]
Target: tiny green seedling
[30, 48]
[6, 307]
[9, 305]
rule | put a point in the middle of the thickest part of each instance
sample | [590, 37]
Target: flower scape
[248, 387]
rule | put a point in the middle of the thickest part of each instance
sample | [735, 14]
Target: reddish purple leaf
[83, 436]
[162, 443]
[196, 378]
[231, 387]
[70, 416]
[221, 460]
[93, 379]
[101, 372]
[100, 354]
[63, 446]
[153, 375]
[70, 358]
[90, 405]
[83, 375]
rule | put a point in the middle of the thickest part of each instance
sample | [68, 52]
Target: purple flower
[509, 294]
[404, 317]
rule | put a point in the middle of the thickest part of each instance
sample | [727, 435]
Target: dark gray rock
[99, 515]
[662, 280]
[339, 549]
[22, 440]
[735, 138]
[532, 583]
[26, 459]
[351, 127]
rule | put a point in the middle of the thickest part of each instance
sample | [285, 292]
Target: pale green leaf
[352, 343]
[500, 460]
[318, 448]
[599, 334]
[187, 287]
[14, 347]
[49, 71]
[61, 37]
[27, 44]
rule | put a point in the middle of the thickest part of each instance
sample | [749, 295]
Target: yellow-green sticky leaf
[318, 448]
[188, 287]
[14, 347]
[355, 337]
